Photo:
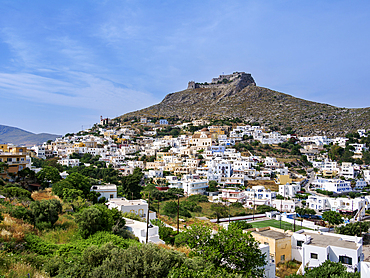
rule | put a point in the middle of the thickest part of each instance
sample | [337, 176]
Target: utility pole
[147, 221]
[178, 213]
[254, 202]
[229, 213]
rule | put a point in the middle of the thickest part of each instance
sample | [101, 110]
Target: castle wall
[244, 79]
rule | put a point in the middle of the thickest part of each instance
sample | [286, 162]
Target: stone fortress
[240, 79]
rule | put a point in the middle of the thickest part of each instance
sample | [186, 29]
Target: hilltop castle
[244, 79]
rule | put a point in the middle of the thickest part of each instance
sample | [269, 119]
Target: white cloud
[82, 90]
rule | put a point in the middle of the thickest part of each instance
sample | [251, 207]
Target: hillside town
[268, 175]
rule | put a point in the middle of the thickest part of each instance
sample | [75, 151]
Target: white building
[40, 151]
[347, 170]
[258, 195]
[69, 162]
[163, 122]
[139, 207]
[318, 203]
[108, 191]
[232, 195]
[333, 185]
[138, 228]
[194, 186]
[366, 175]
[284, 205]
[269, 267]
[289, 190]
[313, 248]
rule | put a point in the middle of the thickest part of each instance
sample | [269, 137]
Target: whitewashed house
[313, 248]
[109, 191]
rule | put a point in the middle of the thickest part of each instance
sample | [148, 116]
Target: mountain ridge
[251, 103]
[18, 136]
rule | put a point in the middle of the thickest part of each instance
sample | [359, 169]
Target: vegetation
[332, 217]
[328, 269]
[353, 229]
[230, 249]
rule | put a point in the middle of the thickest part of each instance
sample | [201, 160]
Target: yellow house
[15, 162]
[4, 148]
[16, 150]
[122, 140]
[79, 145]
[278, 240]
[283, 179]
[220, 130]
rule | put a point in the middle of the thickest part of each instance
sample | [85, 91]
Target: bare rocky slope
[240, 98]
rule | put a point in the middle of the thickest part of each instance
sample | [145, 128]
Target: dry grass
[45, 194]
[267, 184]
[14, 229]
[182, 249]
[65, 230]
[12, 267]
[287, 268]
[188, 221]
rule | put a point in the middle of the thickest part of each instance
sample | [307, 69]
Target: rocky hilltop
[237, 96]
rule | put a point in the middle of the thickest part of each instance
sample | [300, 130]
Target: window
[111, 196]
[314, 256]
[299, 243]
[345, 260]
[282, 258]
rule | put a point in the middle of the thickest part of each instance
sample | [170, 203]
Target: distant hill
[19, 136]
[237, 96]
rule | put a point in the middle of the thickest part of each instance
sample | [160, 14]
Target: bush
[198, 198]
[96, 218]
[16, 192]
[191, 206]
[37, 245]
[22, 213]
[45, 213]
[240, 225]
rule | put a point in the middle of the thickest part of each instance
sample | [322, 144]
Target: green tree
[332, 217]
[353, 229]
[97, 218]
[76, 182]
[230, 249]
[48, 174]
[16, 192]
[219, 210]
[131, 184]
[212, 186]
[45, 212]
[366, 157]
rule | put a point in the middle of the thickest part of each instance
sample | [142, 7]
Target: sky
[63, 64]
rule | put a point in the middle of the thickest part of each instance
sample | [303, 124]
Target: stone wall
[240, 79]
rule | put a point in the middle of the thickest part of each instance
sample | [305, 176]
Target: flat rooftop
[104, 187]
[125, 202]
[327, 240]
[272, 234]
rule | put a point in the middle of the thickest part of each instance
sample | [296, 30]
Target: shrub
[198, 198]
[22, 213]
[16, 192]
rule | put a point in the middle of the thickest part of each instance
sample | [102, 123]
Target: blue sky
[65, 63]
